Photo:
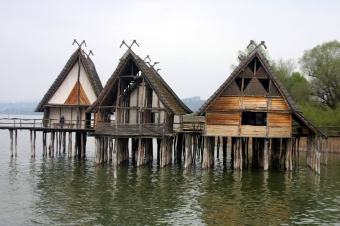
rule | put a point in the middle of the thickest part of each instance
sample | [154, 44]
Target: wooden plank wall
[223, 117]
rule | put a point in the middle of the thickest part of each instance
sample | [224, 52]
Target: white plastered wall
[70, 115]
[66, 87]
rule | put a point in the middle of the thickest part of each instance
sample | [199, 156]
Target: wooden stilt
[188, 150]
[266, 154]
[52, 144]
[15, 143]
[64, 142]
[34, 139]
[11, 142]
[70, 144]
[224, 149]
[179, 147]
[82, 153]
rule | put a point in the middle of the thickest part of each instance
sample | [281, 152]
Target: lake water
[67, 191]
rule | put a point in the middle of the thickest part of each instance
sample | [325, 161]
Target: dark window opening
[265, 83]
[239, 83]
[255, 64]
[246, 82]
[254, 118]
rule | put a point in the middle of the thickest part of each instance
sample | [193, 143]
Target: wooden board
[278, 104]
[253, 131]
[225, 103]
[223, 118]
[279, 119]
[283, 131]
[221, 130]
[254, 103]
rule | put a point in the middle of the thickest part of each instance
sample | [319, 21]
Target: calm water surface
[63, 191]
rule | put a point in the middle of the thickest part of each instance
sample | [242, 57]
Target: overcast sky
[194, 41]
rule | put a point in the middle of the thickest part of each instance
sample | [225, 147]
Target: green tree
[322, 63]
[296, 84]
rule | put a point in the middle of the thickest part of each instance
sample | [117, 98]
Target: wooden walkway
[50, 125]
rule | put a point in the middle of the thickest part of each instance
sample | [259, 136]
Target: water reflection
[66, 191]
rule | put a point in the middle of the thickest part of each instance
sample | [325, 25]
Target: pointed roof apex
[89, 69]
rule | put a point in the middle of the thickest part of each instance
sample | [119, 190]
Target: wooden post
[237, 154]
[115, 152]
[188, 150]
[35, 136]
[110, 148]
[52, 144]
[69, 144]
[224, 149]
[179, 147]
[11, 143]
[16, 142]
[266, 154]
[82, 153]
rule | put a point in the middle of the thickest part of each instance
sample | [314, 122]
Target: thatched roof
[90, 72]
[166, 95]
[297, 114]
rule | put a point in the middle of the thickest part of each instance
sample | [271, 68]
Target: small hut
[65, 103]
[73, 91]
[144, 107]
[252, 103]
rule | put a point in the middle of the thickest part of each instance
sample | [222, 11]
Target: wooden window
[254, 118]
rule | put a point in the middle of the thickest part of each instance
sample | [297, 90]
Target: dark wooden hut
[252, 103]
[144, 107]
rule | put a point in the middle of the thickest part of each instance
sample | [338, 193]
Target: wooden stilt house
[143, 104]
[73, 91]
[252, 103]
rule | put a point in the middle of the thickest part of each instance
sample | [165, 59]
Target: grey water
[68, 191]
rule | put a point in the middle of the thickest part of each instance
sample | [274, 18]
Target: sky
[195, 42]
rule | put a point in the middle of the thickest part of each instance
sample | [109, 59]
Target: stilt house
[252, 103]
[73, 91]
[144, 106]
[142, 102]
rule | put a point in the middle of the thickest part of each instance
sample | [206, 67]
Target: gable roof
[90, 71]
[297, 114]
[166, 95]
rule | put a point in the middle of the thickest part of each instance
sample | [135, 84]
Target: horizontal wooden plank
[253, 131]
[282, 131]
[221, 130]
[278, 104]
[225, 103]
[223, 118]
[279, 119]
[254, 103]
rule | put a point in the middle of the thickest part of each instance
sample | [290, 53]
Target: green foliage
[297, 85]
[319, 116]
[322, 63]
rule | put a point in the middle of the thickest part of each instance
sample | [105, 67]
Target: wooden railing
[17, 123]
[145, 129]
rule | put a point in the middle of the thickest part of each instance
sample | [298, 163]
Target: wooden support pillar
[224, 149]
[238, 154]
[115, 152]
[110, 148]
[266, 154]
[208, 153]
[188, 150]
[11, 141]
[70, 144]
[179, 146]
[64, 142]
[82, 146]
[159, 144]
[52, 144]
[34, 140]
[148, 150]
[15, 143]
